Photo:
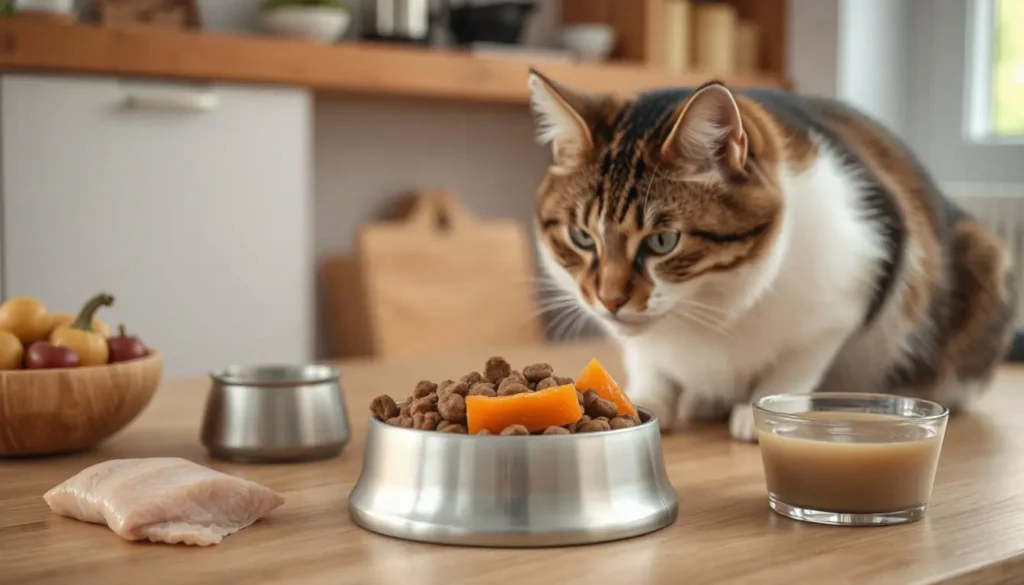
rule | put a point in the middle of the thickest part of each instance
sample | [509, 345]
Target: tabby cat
[745, 243]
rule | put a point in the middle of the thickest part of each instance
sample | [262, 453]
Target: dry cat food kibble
[508, 402]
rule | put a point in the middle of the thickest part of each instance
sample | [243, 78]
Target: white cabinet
[194, 209]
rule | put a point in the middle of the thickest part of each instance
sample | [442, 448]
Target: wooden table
[974, 532]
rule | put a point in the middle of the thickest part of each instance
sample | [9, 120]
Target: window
[996, 61]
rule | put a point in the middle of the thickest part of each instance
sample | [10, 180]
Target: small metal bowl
[495, 491]
[275, 413]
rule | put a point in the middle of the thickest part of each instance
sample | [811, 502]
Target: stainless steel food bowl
[275, 413]
[497, 491]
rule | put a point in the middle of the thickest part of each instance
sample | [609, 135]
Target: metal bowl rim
[462, 437]
[300, 375]
[761, 408]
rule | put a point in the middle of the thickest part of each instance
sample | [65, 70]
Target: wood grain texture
[364, 69]
[59, 411]
[725, 532]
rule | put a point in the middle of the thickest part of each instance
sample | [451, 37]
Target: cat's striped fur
[739, 244]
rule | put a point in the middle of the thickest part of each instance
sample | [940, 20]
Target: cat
[738, 244]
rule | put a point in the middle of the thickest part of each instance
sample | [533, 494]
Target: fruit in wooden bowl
[45, 412]
[65, 385]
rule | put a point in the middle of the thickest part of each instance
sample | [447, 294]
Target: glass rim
[942, 413]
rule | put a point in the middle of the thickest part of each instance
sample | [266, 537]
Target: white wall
[812, 53]
[872, 58]
[936, 82]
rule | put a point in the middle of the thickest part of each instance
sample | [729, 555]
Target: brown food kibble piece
[621, 422]
[584, 419]
[403, 407]
[496, 369]
[471, 378]
[383, 407]
[632, 417]
[548, 382]
[515, 430]
[394, 421]
[593, 426]
[509, 382]
[452, 407]
[483, 389]
[579, 396]
[483, 432]
[422, 405]
[557, 431]
[456, 388]
[454, 428]
[596, 406]
[512, 388]
[405, 422]
[562, 380]
[516, 375]
[443, 386]
[423, 388]
[426, 421]
[537, 372]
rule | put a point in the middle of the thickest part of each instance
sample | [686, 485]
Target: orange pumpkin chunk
[596, 378]
[552, 407]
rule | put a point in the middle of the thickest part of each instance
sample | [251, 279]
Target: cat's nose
[613, 304]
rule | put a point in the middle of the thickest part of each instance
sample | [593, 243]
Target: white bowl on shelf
[589, 41]
[316, 23]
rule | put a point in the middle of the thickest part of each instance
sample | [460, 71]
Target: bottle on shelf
[676, 39]
[714, 48]
[747, 47]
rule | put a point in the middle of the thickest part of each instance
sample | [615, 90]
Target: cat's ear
[708, 127]
[560, 113]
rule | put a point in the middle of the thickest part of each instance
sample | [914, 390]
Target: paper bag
[441, 278]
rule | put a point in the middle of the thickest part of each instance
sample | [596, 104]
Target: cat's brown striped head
[653, 202]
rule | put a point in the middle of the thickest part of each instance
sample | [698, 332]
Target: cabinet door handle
[170, 100]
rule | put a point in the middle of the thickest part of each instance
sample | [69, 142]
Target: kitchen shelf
[354, 68]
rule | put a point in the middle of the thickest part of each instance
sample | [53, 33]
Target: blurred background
[310, 179]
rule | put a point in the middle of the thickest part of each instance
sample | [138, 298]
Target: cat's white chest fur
[818, 282]
[777, 326]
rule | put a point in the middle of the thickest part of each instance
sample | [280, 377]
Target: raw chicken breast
[163, 499]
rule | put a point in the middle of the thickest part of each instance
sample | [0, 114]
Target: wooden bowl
[45, 412]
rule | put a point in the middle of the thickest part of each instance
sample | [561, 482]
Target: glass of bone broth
[849, 459]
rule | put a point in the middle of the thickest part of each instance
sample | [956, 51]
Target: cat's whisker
[704, 320]
[576, 317]
[541, 311]
[704, 307]
[558, 323]
[580, 325]
[692, 318]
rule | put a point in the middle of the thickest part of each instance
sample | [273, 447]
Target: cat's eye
[661, 243]
[581, 238]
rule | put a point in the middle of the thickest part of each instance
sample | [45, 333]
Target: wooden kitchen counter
[974, 532]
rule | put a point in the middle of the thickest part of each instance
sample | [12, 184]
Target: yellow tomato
[26, 318]
[11, 351]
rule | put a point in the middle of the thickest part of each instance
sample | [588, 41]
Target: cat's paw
[702, 407]
[741, 423]
[659, 403]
